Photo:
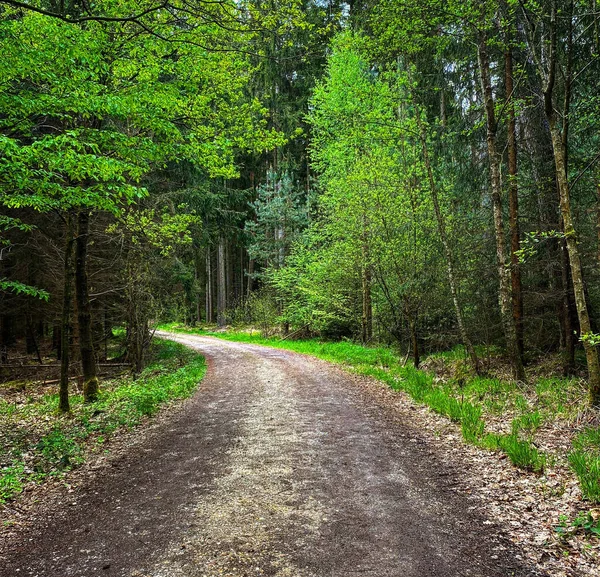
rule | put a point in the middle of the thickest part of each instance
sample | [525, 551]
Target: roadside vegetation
[38, 442]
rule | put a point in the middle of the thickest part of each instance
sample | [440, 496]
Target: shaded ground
[278, 466]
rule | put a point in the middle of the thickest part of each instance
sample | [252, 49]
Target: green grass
[41, 443]
[585, 461]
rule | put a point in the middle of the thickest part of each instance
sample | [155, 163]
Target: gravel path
[278, 466]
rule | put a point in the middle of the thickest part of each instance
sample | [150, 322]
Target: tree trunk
[598, 216]
[221, 284]
[31, 340]
[367, 306]
[65, 332]
[591, 353]
[559, 149]
[200, 280]
[505, 292]
[229, 280]
[250, 285]
[84, 317]
[56, 340]
[513, 205]
[209, 293]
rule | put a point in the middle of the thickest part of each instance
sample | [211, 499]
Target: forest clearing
[393, 205]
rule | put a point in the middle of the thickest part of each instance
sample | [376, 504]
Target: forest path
[282, 466]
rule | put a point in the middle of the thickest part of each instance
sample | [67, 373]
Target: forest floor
[287, 466]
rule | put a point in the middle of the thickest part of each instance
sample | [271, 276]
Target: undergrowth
[37, 442]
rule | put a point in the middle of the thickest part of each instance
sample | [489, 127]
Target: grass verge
[37, 442]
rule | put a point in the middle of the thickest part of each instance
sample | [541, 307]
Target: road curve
[278, 466]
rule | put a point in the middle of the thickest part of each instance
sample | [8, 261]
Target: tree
[92, 113]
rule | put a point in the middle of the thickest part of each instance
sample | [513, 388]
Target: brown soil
[280, 465]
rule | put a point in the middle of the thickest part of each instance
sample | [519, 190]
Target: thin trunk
[575, 262]
[209, 293]
[221, 284]
[576, 267]
[107, 332]
[198, 278]
[56, 340]
[242, 292]
[367, 306]
[513, 203]
[504, 294]
[84, 317]
[31, 340]
[596, 27]
[229, 282]
[447, 253]
[65, 332]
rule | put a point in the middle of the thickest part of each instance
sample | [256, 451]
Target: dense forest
[423, 174]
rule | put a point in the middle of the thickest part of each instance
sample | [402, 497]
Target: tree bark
[65, 332]
[505, 291]
[568, 352]
[84, 316]
[591, 353]
[209, 283]
[598, 217]
[221, 284]
[56, 340]
[250, 283]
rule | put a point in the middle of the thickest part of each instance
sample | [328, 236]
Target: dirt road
[280, 466]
